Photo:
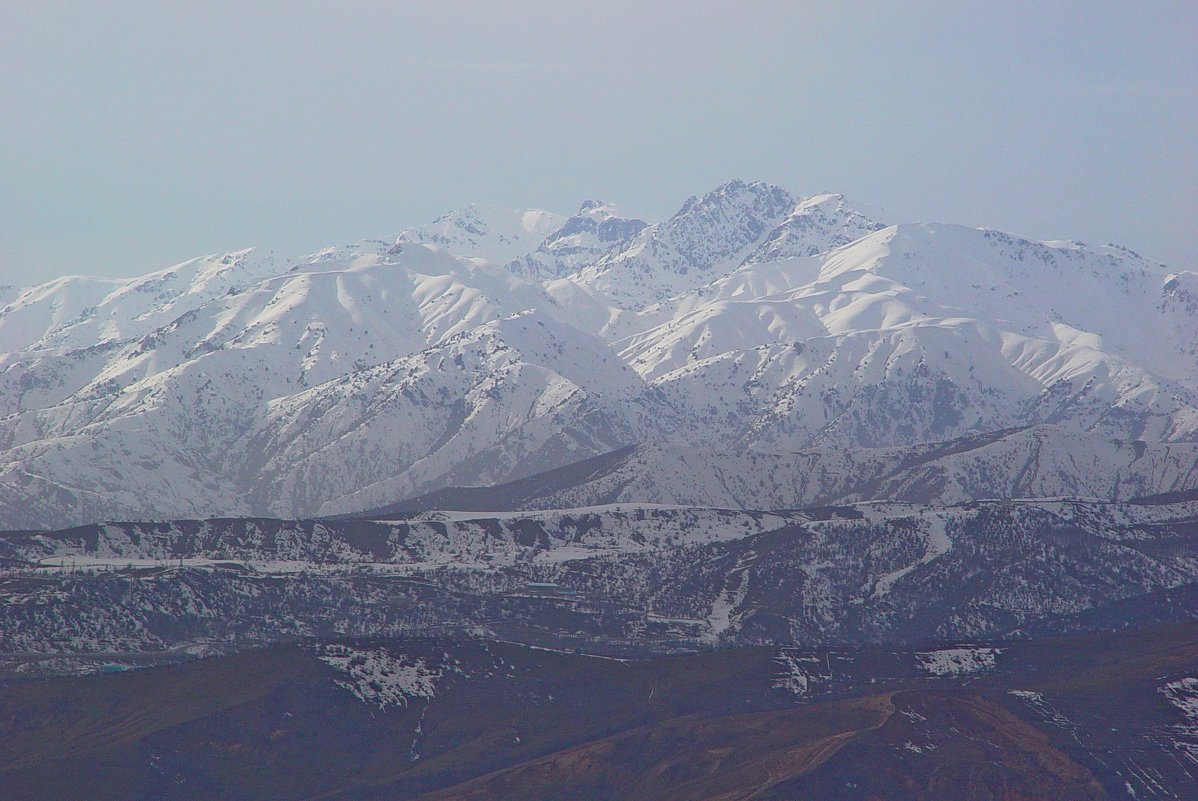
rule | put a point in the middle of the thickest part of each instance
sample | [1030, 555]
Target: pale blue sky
[136, 135]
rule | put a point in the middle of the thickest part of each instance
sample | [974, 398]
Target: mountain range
[775, 350]
[775, 498]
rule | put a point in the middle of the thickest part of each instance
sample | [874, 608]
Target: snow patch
[792, 676]
[958, 661]
[723, 609]
[1183, 694]
[938, 544]
[378, 678]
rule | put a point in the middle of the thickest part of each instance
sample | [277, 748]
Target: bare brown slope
[687, 759]
[511, 722]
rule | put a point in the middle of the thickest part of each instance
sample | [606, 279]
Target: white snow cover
[1183, 694]
[493, 233]
[753, 322]
[596, 230]
[797, 674]
[957, 661]
[378, 678]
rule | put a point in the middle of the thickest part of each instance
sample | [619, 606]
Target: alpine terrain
[776, 498]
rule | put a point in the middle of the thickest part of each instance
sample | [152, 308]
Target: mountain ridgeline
[774, 498]
[752, 327]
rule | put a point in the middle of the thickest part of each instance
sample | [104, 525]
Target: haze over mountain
[495, 344]
[775, 496]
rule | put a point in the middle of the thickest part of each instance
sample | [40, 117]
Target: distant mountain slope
[80, 312]
[594, 231]
[493, 396]
[707, 237]
[626, 578]
[1038, 462]
[751, 322]
[816, 225]
[493, 233]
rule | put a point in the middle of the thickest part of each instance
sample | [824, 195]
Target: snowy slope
[386, 432]
[753, 321]
[816, 225]
[911, 274]
[1037, 462]
[79, 312]
[707, 237]
[156, 423]
[493, 233]
[594, 231]
[941, 329]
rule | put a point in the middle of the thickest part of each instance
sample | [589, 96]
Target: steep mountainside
[586, 237]
[1037, 462]
[80, 312]
[494, 344]
[707, 237]
[488, 232]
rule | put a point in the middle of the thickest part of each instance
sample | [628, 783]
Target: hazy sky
[136, 135]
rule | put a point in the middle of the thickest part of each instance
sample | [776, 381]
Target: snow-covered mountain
[919, 332]
[596, 230]
[494, 344]
[483, 231]
[708, 236]
[80, 312]
[1036, 462]
[816, 225]
[496, 398]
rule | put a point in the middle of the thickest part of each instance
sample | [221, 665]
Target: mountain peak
[709, 234]
[595, 230]
[752, 318]
[816, 224]
[590, 206]
[739, 191]
[494, 233]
